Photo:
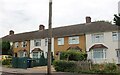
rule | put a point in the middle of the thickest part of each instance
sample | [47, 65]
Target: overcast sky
[27, 15]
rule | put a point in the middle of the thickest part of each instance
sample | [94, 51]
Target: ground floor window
[99, 53]
[22, 54]
[35, 54]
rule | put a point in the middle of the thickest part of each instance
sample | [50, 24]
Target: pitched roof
[98, 46]
[74, 48]
[78, 29]
[36, 50]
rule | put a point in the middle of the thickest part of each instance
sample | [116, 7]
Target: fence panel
[15, 62]
[19, 62]
[84, 65]
[39, 62]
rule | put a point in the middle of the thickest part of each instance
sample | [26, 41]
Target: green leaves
[5, 47]
[73, 55]
[117, 19]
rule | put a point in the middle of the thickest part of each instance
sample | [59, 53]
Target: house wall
[27, 48]
[111, 55]
[119, 7]
[42, 47]
[67, 45]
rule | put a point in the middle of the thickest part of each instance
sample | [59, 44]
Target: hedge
[64, 66]
[73, 55]
[6, 62]
[71, 66]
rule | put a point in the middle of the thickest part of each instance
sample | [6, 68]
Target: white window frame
[74, 40]
[116, 36]
[24, 44]
[60, 41]
[35, 56]
[22, 54]
[98, 38]
[37, 42]
[16, 44]
[99, 50]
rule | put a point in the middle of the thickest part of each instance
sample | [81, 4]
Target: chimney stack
[11, 32]
[88, 19]
[41, 27]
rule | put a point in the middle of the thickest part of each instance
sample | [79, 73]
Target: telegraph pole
[49, 38]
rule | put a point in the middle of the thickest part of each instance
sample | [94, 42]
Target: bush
[6, 62]
[73, 55]
[104, 68]
[72, 66]
[64, 66]
[111, 67]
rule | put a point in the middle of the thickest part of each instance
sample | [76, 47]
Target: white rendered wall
[42, 47]
[118, 7]
[111, 55]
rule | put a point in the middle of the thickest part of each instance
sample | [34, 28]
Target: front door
[118, 55]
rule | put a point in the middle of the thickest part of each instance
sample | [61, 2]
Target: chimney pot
[41, 27]
[11, 32]
[88, 19]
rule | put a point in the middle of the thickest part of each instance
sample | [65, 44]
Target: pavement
[40, 69]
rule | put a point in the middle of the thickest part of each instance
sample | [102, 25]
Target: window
[24, 44]
[46, 42]
[99, 53]
[60, 41]
[37, 42]
[118, 52]
[22, 54]
[35, 54]
[16, 44]
[74, 40]
[115, 36]
[96, 38]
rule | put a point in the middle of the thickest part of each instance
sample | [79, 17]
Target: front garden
[72, 61]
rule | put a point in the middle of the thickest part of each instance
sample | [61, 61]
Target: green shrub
[104, 68]
[6, 62]
[64, 66]
[0, 62]
[72, 66]
[73, 55]
[111, 67]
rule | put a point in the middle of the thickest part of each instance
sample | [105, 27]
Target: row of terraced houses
[100, 40]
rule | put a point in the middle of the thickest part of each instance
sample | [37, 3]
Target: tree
[117, 19]
[5, 47]
[0, 46]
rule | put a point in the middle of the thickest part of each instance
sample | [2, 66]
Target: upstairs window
[16, 44]
[115, 36]
[24, 44]
[74, 40]
[60, 41]
[97, 38]
[37, 42]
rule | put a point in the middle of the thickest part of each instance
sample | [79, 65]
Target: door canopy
[98, 46]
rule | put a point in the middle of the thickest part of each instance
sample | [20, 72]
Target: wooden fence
[84, 65]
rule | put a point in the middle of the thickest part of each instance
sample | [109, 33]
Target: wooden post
[49, 38]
